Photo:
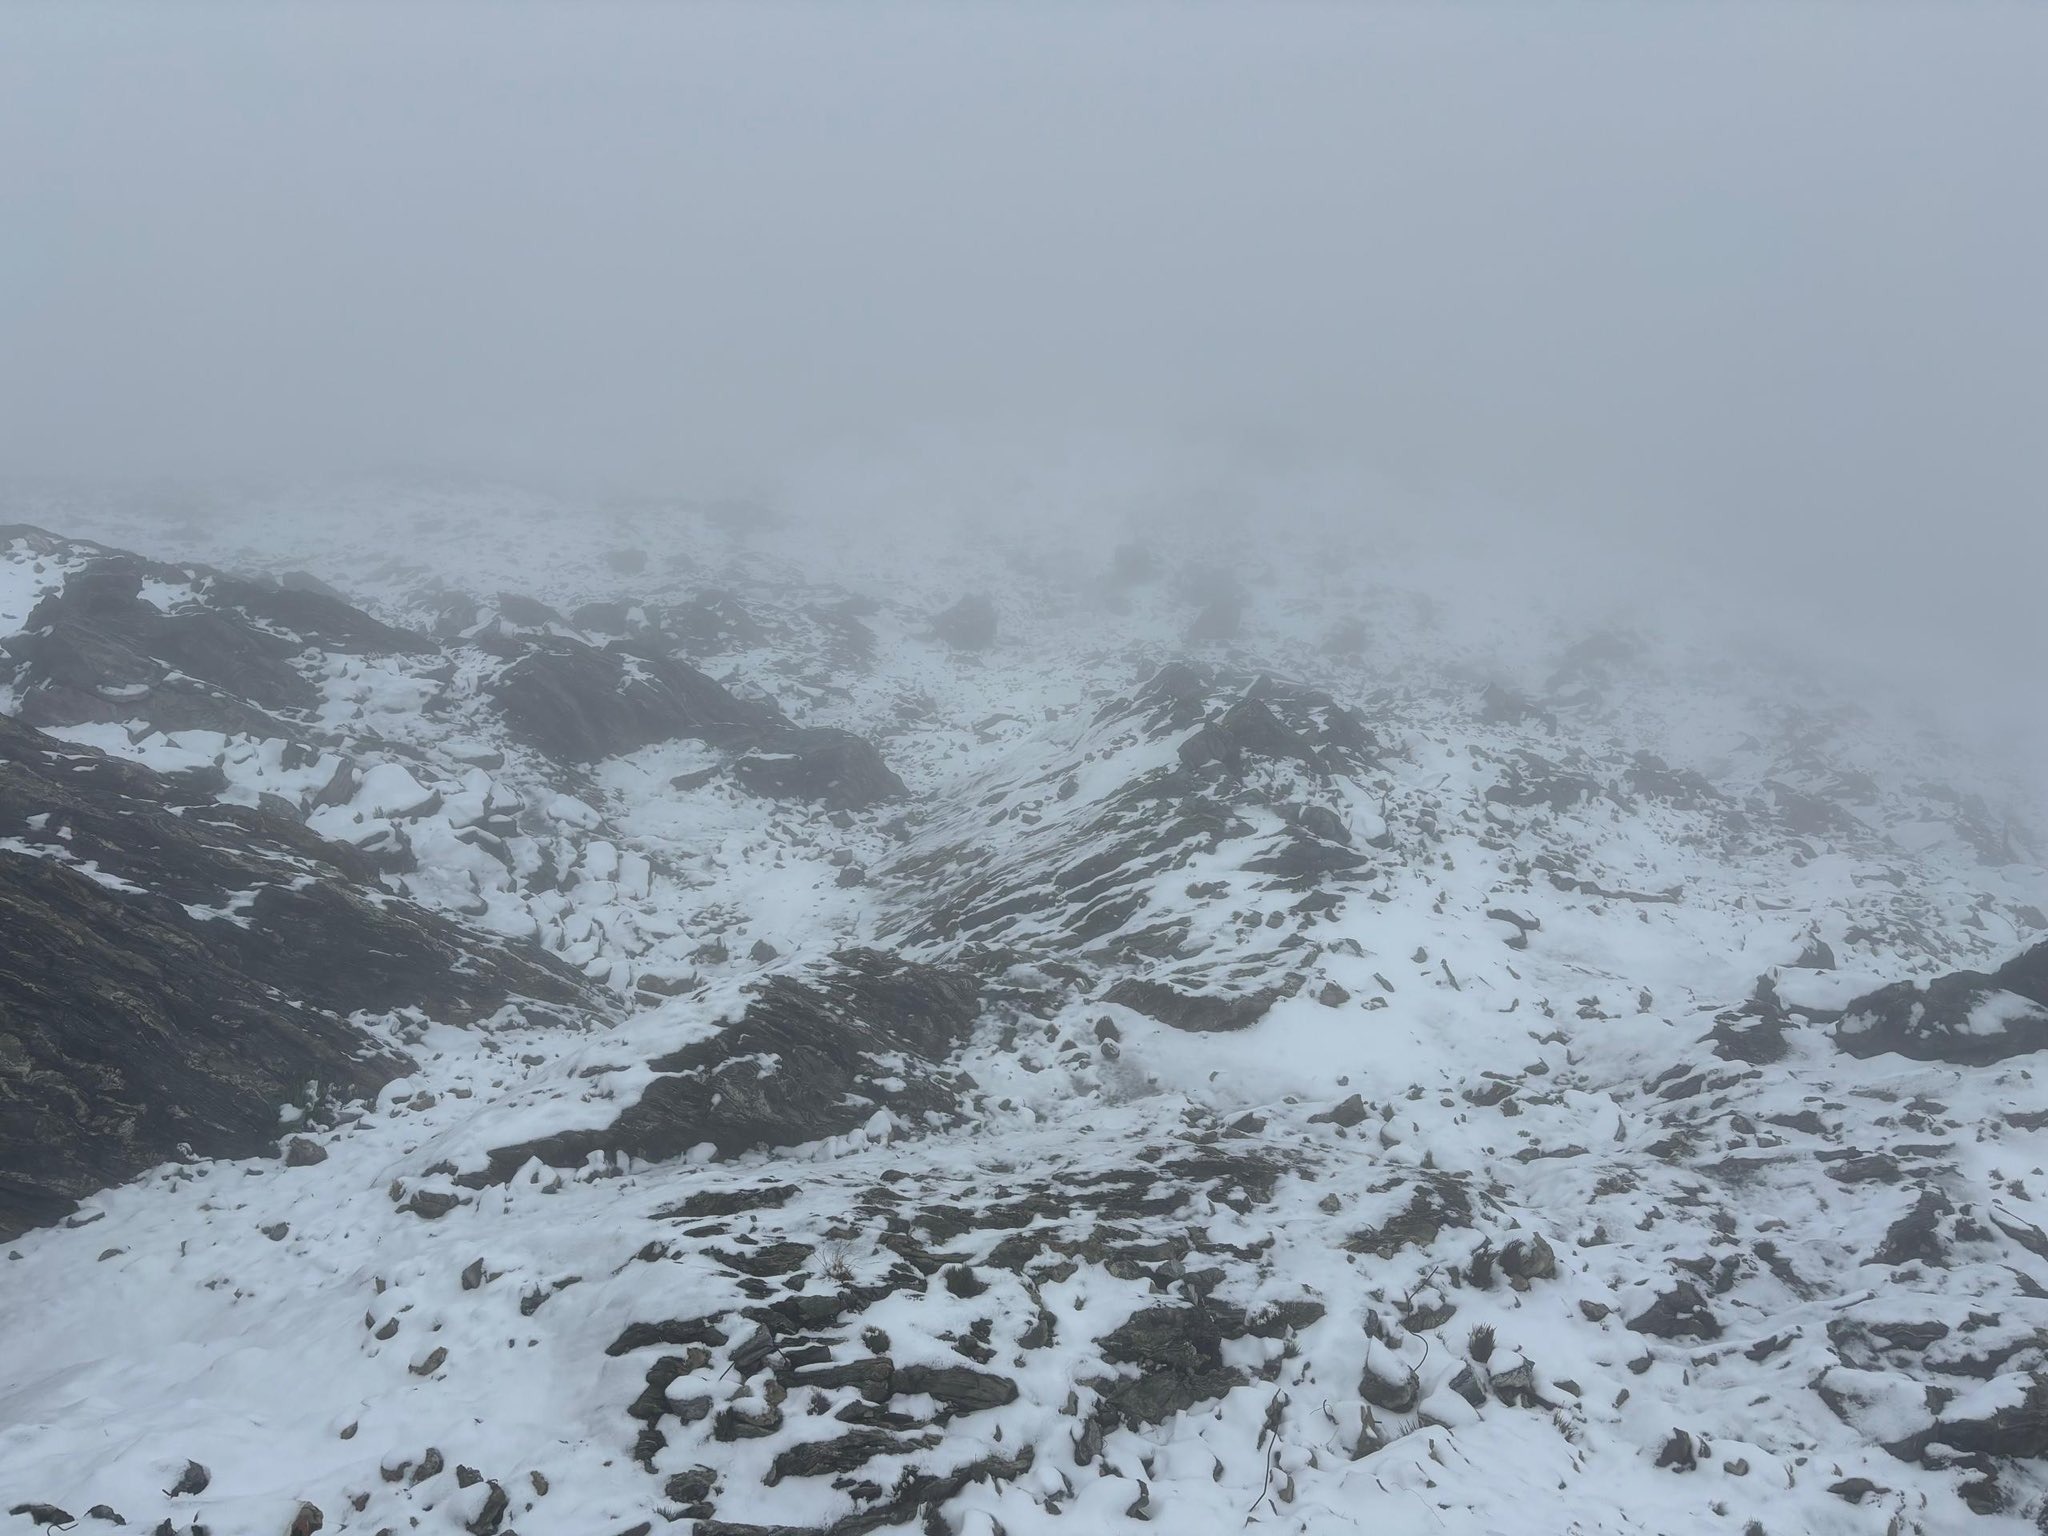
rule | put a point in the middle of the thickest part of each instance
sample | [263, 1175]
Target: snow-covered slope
[1260, 1040]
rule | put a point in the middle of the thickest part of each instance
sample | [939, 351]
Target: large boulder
[1196, 1012]
[837, 769]
[1248, 730]
[579, 703]
[1966, 1017]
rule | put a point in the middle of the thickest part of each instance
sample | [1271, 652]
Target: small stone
[432, 1363]
[193, 1479]
[1347, 1114]
[42, 1514]
[492, 1515]
[431, 1203]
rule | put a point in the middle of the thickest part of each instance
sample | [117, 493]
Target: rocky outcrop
[1966, 1017]
[175, 971]
[579, 703]
[1199, 1012]
[807, 1060]
[837, 769]
[182, 647]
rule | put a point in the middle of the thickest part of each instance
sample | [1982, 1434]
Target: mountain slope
[1271, 1048]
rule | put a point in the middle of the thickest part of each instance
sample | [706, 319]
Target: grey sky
[1760, 288]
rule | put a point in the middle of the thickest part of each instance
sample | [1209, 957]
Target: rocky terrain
[601, 1020]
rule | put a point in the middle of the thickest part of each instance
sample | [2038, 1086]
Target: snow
[172, 1326]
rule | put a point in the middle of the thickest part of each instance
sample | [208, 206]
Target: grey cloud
[1755, 292]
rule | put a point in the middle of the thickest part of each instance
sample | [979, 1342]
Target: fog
[1759, 295]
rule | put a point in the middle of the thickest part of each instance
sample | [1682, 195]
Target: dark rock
[729, 1202]
[1681, 1453]
[1435, 1203]
[698, 1330]
[2016, 1429]
[614, 618]
[746, 1421]
[194, 1479]
[764, 1260]
[579, 704]
[834, 768]
[693, 1486]
[1397, 1391]
[303, 1152]
[957, 1388]
[1302, 861]
[1528, 1259]
[1504, 706]
[1818, 955]
[820, 1458]
[1280, 1318]
[134, 1027]
[436, 1358]
[1198, 1012]
[98, 651]
[713, 621]
[1653, 779]
[969, 625]
[1347, 1114]
[489, 1518]
[526, 612]
[1967, 1017]
[822, 1037]
[1915, 1238]
[1178, 1353]
[1679, 1313]
[308, 1520]
[1532, 780]
[1805, 815]
[1248, 729]
[43, 1514]
[1754, 1032]
[432, 1204]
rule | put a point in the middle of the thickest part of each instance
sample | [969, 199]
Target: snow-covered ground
[1479, 1222]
